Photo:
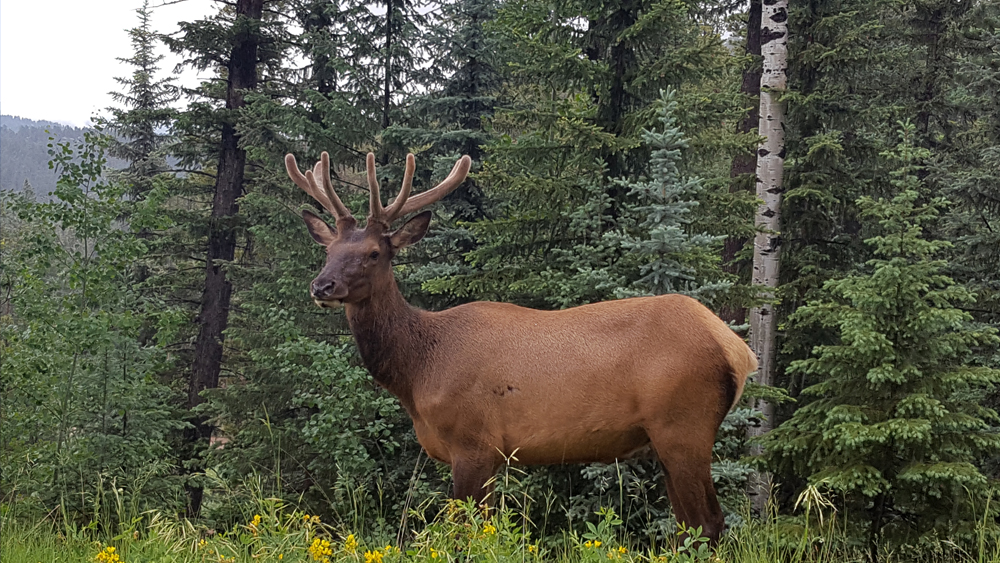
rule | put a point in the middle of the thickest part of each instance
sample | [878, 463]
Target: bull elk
[484, 380]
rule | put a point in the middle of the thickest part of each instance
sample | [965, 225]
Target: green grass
[277, 532]
[273, 530]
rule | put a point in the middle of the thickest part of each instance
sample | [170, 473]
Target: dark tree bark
[214, 314]
[387, 91]
[744, 166]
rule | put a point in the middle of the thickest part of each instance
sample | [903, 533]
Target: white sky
[58, 57]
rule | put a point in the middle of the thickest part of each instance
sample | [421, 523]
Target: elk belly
[564, 445]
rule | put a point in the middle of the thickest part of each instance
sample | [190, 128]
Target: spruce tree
[674, 259]
[464, 79]
[238, 43]
[893, 424]
[144, 115]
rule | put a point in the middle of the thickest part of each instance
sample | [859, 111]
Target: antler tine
[326, 196]
[375, 200]
[454, 179]
[292, 167]
[392, 212]
[323, 169]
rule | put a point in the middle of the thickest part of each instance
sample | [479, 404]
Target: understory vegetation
[272, 530]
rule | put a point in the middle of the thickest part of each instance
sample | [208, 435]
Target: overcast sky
[58, 57]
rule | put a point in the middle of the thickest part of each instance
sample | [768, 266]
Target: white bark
[767, 243]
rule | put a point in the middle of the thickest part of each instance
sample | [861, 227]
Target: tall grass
[274, 530]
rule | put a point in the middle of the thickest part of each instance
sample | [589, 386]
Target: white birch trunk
[767, 244]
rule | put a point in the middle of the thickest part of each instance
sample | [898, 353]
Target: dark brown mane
[390, 343]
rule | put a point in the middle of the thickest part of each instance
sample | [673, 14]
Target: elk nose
[322, 288]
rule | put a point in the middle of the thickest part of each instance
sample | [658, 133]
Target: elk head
[358, 260]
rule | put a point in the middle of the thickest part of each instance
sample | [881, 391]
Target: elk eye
[374, 255]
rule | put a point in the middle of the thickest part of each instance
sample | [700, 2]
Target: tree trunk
[387, 87]
[744, 164]
[214, 315]
[767, 243]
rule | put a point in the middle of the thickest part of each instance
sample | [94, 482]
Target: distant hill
[24, 153]
[14, 123]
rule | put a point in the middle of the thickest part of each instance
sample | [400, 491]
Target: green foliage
[674, 260]
[85, 412]
[587, 185]
[894, 423]
[271, 530]
[139, 125]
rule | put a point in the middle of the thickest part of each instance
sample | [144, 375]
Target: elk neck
[394, 339]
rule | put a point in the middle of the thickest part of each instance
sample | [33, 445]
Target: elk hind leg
[687, 463]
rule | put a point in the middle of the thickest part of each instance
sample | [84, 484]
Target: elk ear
[320, 230]
[411, 232]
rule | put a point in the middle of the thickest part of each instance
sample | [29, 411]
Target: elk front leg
[471, 474]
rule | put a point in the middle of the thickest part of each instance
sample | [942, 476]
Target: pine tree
[894, 424]
[145, 111]
[451, 120]
[237, 43]
[674, 260]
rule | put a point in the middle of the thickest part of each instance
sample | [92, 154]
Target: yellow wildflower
[373, 557]
[532, 548]
[588, 543]
[254, 523]
[489, 529]
[281, 556]
[622, 550]
[314, 519]
[597, 543]
[350, 544]
[320, 549]
[434, 553]
[202, 543]
[108, 555]
[305, 516]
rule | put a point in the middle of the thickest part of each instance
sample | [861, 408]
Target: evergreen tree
[145, 113]
[383, 48]
[894, 423]
[674, 260]
[236, 42]
[970, 176]
[583, 84]
[620, 55]
[450, 121]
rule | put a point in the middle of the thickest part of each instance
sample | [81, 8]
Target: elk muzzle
[327, 293]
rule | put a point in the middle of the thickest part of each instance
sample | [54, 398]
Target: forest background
[159, 346]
